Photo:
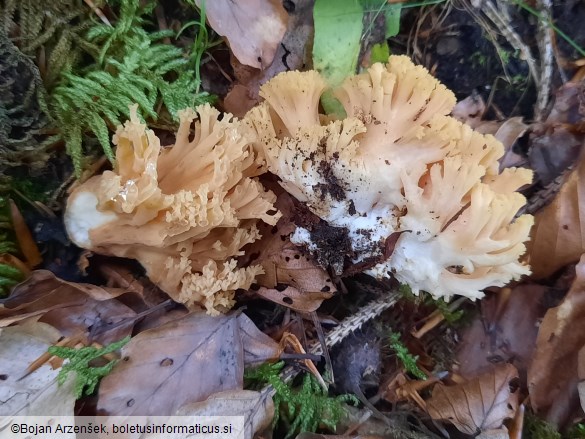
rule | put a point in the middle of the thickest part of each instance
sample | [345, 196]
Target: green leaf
[392, 14]
[336, 45]
[380, 53]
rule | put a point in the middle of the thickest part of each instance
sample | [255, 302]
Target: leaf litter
[172, 359]
[528, 333]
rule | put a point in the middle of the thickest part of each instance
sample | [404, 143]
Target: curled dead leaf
[293, 53]
[479, 405]
[253, 28]
[553, 374]
[26, 242]
[558, 235]
[72, 308]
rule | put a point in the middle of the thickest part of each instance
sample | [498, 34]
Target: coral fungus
[184, 212]
[397, 164]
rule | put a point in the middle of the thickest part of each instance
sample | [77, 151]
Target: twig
[36, 364]
[502, 22]
[545, 47]
[347, 326]
[98, 12]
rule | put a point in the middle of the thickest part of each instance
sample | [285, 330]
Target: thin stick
[36, 364]
[98, 12]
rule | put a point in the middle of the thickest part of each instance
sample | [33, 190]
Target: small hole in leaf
[280, 287]
[325, 289]
[514, 385]
[130, 403]
[166, 362]
[289, 6]
[287, 259]
[3, 377]
[297, 257]
[510, 407]
[126, 358]
[254, 287]
[272, 212]
[287, 300]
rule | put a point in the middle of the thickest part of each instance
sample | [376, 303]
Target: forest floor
[305, 352]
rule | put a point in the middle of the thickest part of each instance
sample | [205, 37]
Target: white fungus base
[82, 215]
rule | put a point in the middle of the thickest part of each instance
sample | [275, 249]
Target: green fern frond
[133, 66]
[56, 26]
[9, 275]
[87, 377]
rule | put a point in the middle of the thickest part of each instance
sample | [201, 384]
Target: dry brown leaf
[72, 308]
[508, 133]
[558, 235]
[182, 362]
[39, 392]
[292, 54]
[256, 407]
[481, 404]
[502, 333]
[253, 28]
[553, 374]
[553, 148]
[26, 242]
[568, 107]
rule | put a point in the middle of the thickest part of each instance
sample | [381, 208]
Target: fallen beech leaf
[256, 407]
[481, 404]
[38, 393]
[70, 307]
[181, 362]
[291, 297]
[508, 133]
[505, 335]
[292, 54]
[568, 107]
[553, 148]
[553, 374]
[558, 235]
[290, 278]
[253, 28]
